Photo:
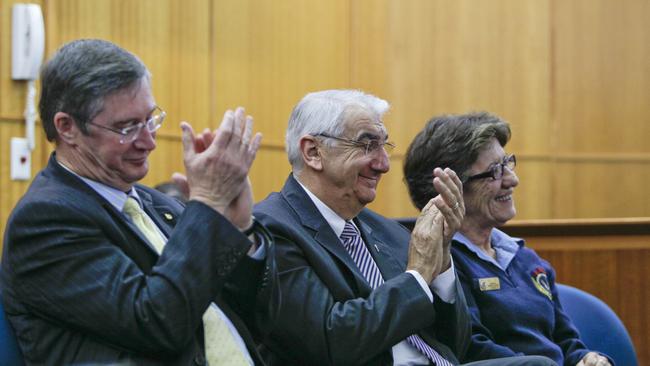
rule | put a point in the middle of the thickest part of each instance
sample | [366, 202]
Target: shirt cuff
[445, 284]
[422, 283]
[260, 253]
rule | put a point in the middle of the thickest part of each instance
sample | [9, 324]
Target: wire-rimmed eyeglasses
[129, 134]
[369, 146]
[495, 171]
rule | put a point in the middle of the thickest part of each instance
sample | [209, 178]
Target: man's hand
[429, 248]
[594, 359]
[217, 164]
[425, 246]
[239, 210]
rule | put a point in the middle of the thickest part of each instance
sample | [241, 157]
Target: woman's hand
[451, 205]
[594, 359]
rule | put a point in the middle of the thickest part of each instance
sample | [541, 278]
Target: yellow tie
[220, 346]
[144, 223]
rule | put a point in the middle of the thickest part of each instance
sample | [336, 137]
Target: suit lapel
[119, 217]
[312, 219]
[68, 178]
[379, 249]
[162, 215]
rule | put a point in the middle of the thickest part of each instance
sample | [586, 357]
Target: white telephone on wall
[27, 49]
[28, 41]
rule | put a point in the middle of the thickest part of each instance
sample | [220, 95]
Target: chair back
[599, 326]
[10, 354]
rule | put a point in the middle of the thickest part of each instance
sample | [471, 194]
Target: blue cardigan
[514, 312]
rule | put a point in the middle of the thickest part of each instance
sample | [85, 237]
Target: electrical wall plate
[21, 159]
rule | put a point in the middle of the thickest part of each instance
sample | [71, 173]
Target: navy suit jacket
[81, 285]
[329, 313]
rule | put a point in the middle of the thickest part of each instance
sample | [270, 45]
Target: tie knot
[132, 207]
[349, 231]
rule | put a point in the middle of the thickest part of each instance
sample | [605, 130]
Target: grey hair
[80, 75]
[325, 112]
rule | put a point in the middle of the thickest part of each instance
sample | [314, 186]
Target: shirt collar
[504, 245]
[114, 196]
[336, 222]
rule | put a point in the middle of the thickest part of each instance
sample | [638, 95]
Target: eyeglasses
[369, 146]
[129, 134]
[496, 170]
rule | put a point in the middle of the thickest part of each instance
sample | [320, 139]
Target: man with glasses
[98, 269]
[357, 288]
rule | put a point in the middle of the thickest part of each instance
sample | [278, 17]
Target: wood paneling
[602, 78]
[12, 106]
[437, 57]
[171, 38]
[11, 191]
[570, 77]
[268, 55]
[270, 170]
[613, 186]
[165, 160]
[534, 194]
[445, 57]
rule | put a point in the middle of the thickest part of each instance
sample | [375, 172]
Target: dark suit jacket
[81, 285]
[329, 314]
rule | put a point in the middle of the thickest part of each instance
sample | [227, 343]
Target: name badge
[489, 284]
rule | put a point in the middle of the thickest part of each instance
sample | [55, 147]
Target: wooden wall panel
[561, 72]
[11, 191]
[12, 105]
[267, 56]
[165, 160]
[392, 194]
[600, 187]
[611, 274]
[602, 78]
[436, 57]
[270, 170]
[170, 37]
[462, 56]
[534, 194]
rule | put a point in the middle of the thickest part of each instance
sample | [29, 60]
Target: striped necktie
[359, 252]
[220, 346]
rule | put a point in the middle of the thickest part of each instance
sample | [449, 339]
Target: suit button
[199, 360]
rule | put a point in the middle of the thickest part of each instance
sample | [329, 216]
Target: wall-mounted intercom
[28, 41]
[27, 49]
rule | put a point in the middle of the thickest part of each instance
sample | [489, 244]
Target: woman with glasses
[510, 290]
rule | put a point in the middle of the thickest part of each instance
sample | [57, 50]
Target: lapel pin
[168, 216]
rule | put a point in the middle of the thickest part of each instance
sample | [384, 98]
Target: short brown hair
[449, 141]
